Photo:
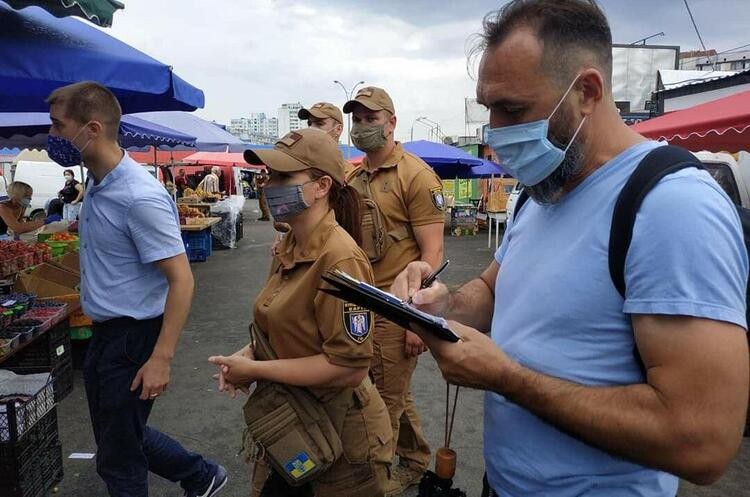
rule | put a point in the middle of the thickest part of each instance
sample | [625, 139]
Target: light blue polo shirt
[558, 313]
[128, 221]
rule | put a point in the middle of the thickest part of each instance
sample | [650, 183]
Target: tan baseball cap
[321, 110]
[300, 150]
[373, 98]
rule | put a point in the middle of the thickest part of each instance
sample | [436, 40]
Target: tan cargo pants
[392, 372]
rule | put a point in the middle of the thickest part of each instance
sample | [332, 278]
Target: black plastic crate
[16, 456]
[16, 418]
[31, 466]
[48, 350]
[62, 376]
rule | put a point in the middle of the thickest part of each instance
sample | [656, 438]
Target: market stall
[196, 234]
[39, 307]
[221, 217]
[722, 125]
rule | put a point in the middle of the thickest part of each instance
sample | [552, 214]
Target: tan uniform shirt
[408, 193]
[302, 321]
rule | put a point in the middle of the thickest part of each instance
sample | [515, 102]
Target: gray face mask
[285, 202]
[368, 137]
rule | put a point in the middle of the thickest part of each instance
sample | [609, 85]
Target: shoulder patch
[357, 322]
[437, 198]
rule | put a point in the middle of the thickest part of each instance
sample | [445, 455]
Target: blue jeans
[127, 448]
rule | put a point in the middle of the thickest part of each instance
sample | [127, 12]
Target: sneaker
[402, 477]
[217, 482]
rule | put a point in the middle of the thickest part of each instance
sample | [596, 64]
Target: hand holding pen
[427, 282]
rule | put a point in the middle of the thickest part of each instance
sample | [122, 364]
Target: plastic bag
[229, 210]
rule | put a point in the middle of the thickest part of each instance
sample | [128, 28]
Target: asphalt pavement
[208, 422]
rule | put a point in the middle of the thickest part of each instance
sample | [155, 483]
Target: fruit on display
[17, 256]
[201, 194]
[63, 236]
[185, 211]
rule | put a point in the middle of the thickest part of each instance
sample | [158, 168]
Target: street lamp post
[438, 133]
[348, 94]
[411, 134]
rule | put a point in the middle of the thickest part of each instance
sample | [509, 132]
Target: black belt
[121, 322]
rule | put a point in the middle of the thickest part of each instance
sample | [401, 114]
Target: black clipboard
[347, 288]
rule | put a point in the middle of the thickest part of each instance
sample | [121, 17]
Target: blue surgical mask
[25, 202]
[63, 151]
[285, 201]
[525, 151]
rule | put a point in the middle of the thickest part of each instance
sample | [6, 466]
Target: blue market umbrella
[448, 161]
[487, 169]
[39, 53]
[29, 130]
[210, 136]
[99, 12]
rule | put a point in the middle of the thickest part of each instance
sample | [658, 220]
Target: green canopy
[97, 11]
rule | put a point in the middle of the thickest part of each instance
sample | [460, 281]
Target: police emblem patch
[437, 198]
[357, 322]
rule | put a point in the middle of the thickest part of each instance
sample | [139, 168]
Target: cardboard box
[28, 283]
[69, 262]
[49, 290]
[57, 275]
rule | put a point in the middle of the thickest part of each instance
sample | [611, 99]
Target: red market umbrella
[721, 125]
[235, 159]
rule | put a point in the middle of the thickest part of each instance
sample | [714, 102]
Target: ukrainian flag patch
[299, 466]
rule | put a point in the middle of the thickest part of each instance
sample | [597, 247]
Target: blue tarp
[29, 130]
[39, 53]
[449, 162]
[438, 154]
[210, 137]
[487, 169]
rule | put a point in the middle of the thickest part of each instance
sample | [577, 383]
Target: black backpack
[660, 162]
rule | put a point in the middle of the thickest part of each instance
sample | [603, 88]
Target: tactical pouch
[289, 427]
[375, 239]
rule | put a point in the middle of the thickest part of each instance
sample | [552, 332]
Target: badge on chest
[357, 322]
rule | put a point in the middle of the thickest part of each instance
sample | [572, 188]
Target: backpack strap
[660, 162]
[522, 198]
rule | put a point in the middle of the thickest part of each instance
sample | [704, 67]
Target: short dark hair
[88, 101]
[68, 171]
[568, 29]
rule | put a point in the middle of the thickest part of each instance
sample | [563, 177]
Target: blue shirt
[557, 312]
[127, 222]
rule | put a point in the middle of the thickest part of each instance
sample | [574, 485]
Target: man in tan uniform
[260, 183]
[409, 196]
[325, 117]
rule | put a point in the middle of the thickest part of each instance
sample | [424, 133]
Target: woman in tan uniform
[322, 343]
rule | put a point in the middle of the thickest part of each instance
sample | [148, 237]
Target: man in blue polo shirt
[136, 285]
[568, 410]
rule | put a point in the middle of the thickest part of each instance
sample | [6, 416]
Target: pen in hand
[427, 282]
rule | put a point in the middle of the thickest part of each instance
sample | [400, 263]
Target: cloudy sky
[253, 55]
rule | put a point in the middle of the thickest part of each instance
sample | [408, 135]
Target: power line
[697, 31]
[734, 49]
[692, 19]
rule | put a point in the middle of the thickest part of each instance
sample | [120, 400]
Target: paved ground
[207, 422]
